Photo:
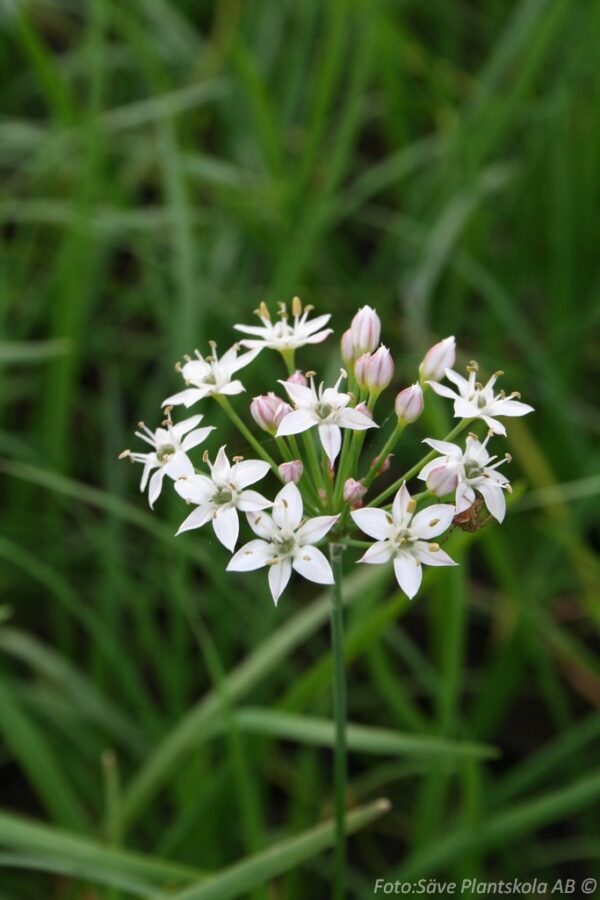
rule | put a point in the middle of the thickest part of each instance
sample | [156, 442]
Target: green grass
[165, 167]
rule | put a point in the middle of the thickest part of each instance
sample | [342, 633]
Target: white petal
[430, 466]
[287, 508]
[197, 488]
[195, 371]
[314, 529]
[466, 409]
[509, 407]
[262, 524]
[496, 426]
[196, 519]
[245, 359]
[253, 555]
[465, 497]
[357, 421]
[252, 501]
[400, 506]
[299, 393]
[313, 565]
[433, 521]
[186, 397]
[409, 574]
[459, 380]
[151, 463]
[155, 486]
[494, 499]
[314, 338]
[248, 472]
[442, 390]
[331, 439]
[377, 523]
[181, 428]
[296, 421]
[221, 469]
[314, 324]
[432, 557]
[257, 330]
[279, 575]
[378, 553]
[231, 388]
[196, 437]
[178, 466]
[444, 447]
[227, 526]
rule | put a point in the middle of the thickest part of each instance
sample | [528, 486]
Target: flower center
[481, 401]
[210, 379]
[324, 410]
[284, 545]
[472, 469]
[404, 538]
[164, 452]
[222, 496]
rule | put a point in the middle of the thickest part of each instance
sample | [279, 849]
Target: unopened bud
[384, 466]
[409, 404]
[347, 349]
[443, 480]
[378, 370]
[438, 358]
[298, 378]
[354, 491]
[291, 471]
[366, 330]
[364, 409]
[268, 410]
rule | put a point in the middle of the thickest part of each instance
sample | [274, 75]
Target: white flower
[473, 400]
[218, 497]
[326, 408]
[285, 334]
[211, 375]
[285, 544]
[438, 358]
[466, 473]
[405, 538]
[170, 444]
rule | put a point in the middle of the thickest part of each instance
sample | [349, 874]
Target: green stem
[385, 451]
[313, 461]
[339, 711]
[417, 466]
[245, 431]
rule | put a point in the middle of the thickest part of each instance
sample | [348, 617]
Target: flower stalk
[339, 713]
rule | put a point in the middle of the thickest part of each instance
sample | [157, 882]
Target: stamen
[411, 505]
[297, 306]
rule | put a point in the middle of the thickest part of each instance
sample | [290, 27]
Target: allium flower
[326, 408]
[285, 335]
[291, 471]
[218, 497]
[473, 400]
[409, 404]
[285, 544]
[467, 472]
[354, 491]
[268, 410]
[297, 377]
[210, 375]
[170, 444]
[405, 538]
[366, 330]
[375, 371]
[438, 358]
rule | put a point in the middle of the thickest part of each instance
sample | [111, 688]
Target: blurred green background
[165, 167]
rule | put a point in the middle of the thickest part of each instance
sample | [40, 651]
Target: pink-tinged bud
[354, 491]
[298, 378]
[360, 369]
[291, 471]
[443, 480]
[385, 465]
[347, 348]
[379, 370]
[409, 404]
[268, 410]
[366, 330]
[364, 409]
[438, 358]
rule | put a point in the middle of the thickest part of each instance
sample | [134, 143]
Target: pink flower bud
[409, 404]
[298, 378]
[364, 409]
[360, 369]
[438, 358]
[385, 465]
[366, 330]
[347, 348]
[443, 480]
[379, 370]
[291, 471]
[268, 410]
[354, 491]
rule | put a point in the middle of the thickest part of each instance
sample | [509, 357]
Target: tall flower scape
[314, 449]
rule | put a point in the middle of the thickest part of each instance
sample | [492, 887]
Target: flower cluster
[311, 440]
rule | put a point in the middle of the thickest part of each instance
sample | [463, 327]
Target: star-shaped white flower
[286, 334]
[467, 472]
[210, 375]
[170, 446]
[218, 497]
[472, 400]
[285, 543]
[326, 408]
[405, 538]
